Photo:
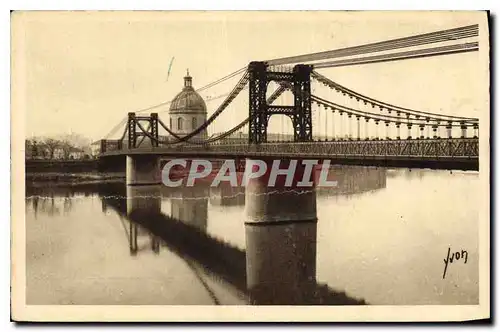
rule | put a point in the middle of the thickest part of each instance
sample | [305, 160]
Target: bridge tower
[148, 127]
[260, 112]
[143, 178]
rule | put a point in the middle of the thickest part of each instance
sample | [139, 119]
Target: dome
[188, 100]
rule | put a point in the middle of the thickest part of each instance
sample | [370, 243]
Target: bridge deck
[453, 153]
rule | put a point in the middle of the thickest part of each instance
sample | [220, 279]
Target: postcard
[214, 166]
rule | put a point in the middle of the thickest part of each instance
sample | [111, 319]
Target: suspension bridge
[320, 119]
[327, 120]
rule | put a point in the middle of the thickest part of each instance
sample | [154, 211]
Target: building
[188, 111]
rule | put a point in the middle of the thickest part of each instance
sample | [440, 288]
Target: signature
[455, 256]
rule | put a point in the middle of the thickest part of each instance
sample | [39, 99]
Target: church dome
[188, 100]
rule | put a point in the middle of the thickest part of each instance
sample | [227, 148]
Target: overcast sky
[84, 71]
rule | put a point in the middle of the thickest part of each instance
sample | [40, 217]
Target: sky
[84, 71]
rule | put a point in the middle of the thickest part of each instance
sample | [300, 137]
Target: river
[382, 236]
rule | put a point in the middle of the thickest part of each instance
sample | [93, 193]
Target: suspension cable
[411, 41]
[225, 78]
[236, 90]
[333, 85]
[375, 116]
[278, 92]
[116, 128]
[165, 103]
[398, 56]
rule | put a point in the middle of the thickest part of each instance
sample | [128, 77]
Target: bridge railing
[457, 147]
[108, 145]
[449, 147]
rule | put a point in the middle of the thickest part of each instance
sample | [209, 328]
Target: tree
[28, 149]
[51, 145]
[72, 142]
[33, 148]
[46, 147]
[42, 150]
[66, 147]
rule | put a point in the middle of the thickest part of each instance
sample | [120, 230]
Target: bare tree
[42, 150]
[66, 147]
[45, 147]
[51, 145]
[34, 148]
[28, 149]
[73, 142]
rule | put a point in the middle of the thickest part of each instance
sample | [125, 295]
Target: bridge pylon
[150, 131]
[132, 130]
[299, 82]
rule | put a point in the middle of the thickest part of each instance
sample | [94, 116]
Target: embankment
[54, 172]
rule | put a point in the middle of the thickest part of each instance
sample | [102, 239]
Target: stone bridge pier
[143, 180]
[280, 231]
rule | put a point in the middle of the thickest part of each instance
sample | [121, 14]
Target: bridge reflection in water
[182, 228]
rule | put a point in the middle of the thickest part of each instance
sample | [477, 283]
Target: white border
[154, 5]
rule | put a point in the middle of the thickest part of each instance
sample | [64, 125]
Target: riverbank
[58, 178]
[61, 166]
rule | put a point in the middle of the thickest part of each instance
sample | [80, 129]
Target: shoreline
[37, 179]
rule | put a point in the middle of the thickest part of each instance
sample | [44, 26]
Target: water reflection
[189, 240]
[182, 227]
[191, 204]
[157, 221]
[56, 200]
[354, 180]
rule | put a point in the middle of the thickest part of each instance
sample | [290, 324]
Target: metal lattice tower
[151, 131]
[132, 135]
[260, 111]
